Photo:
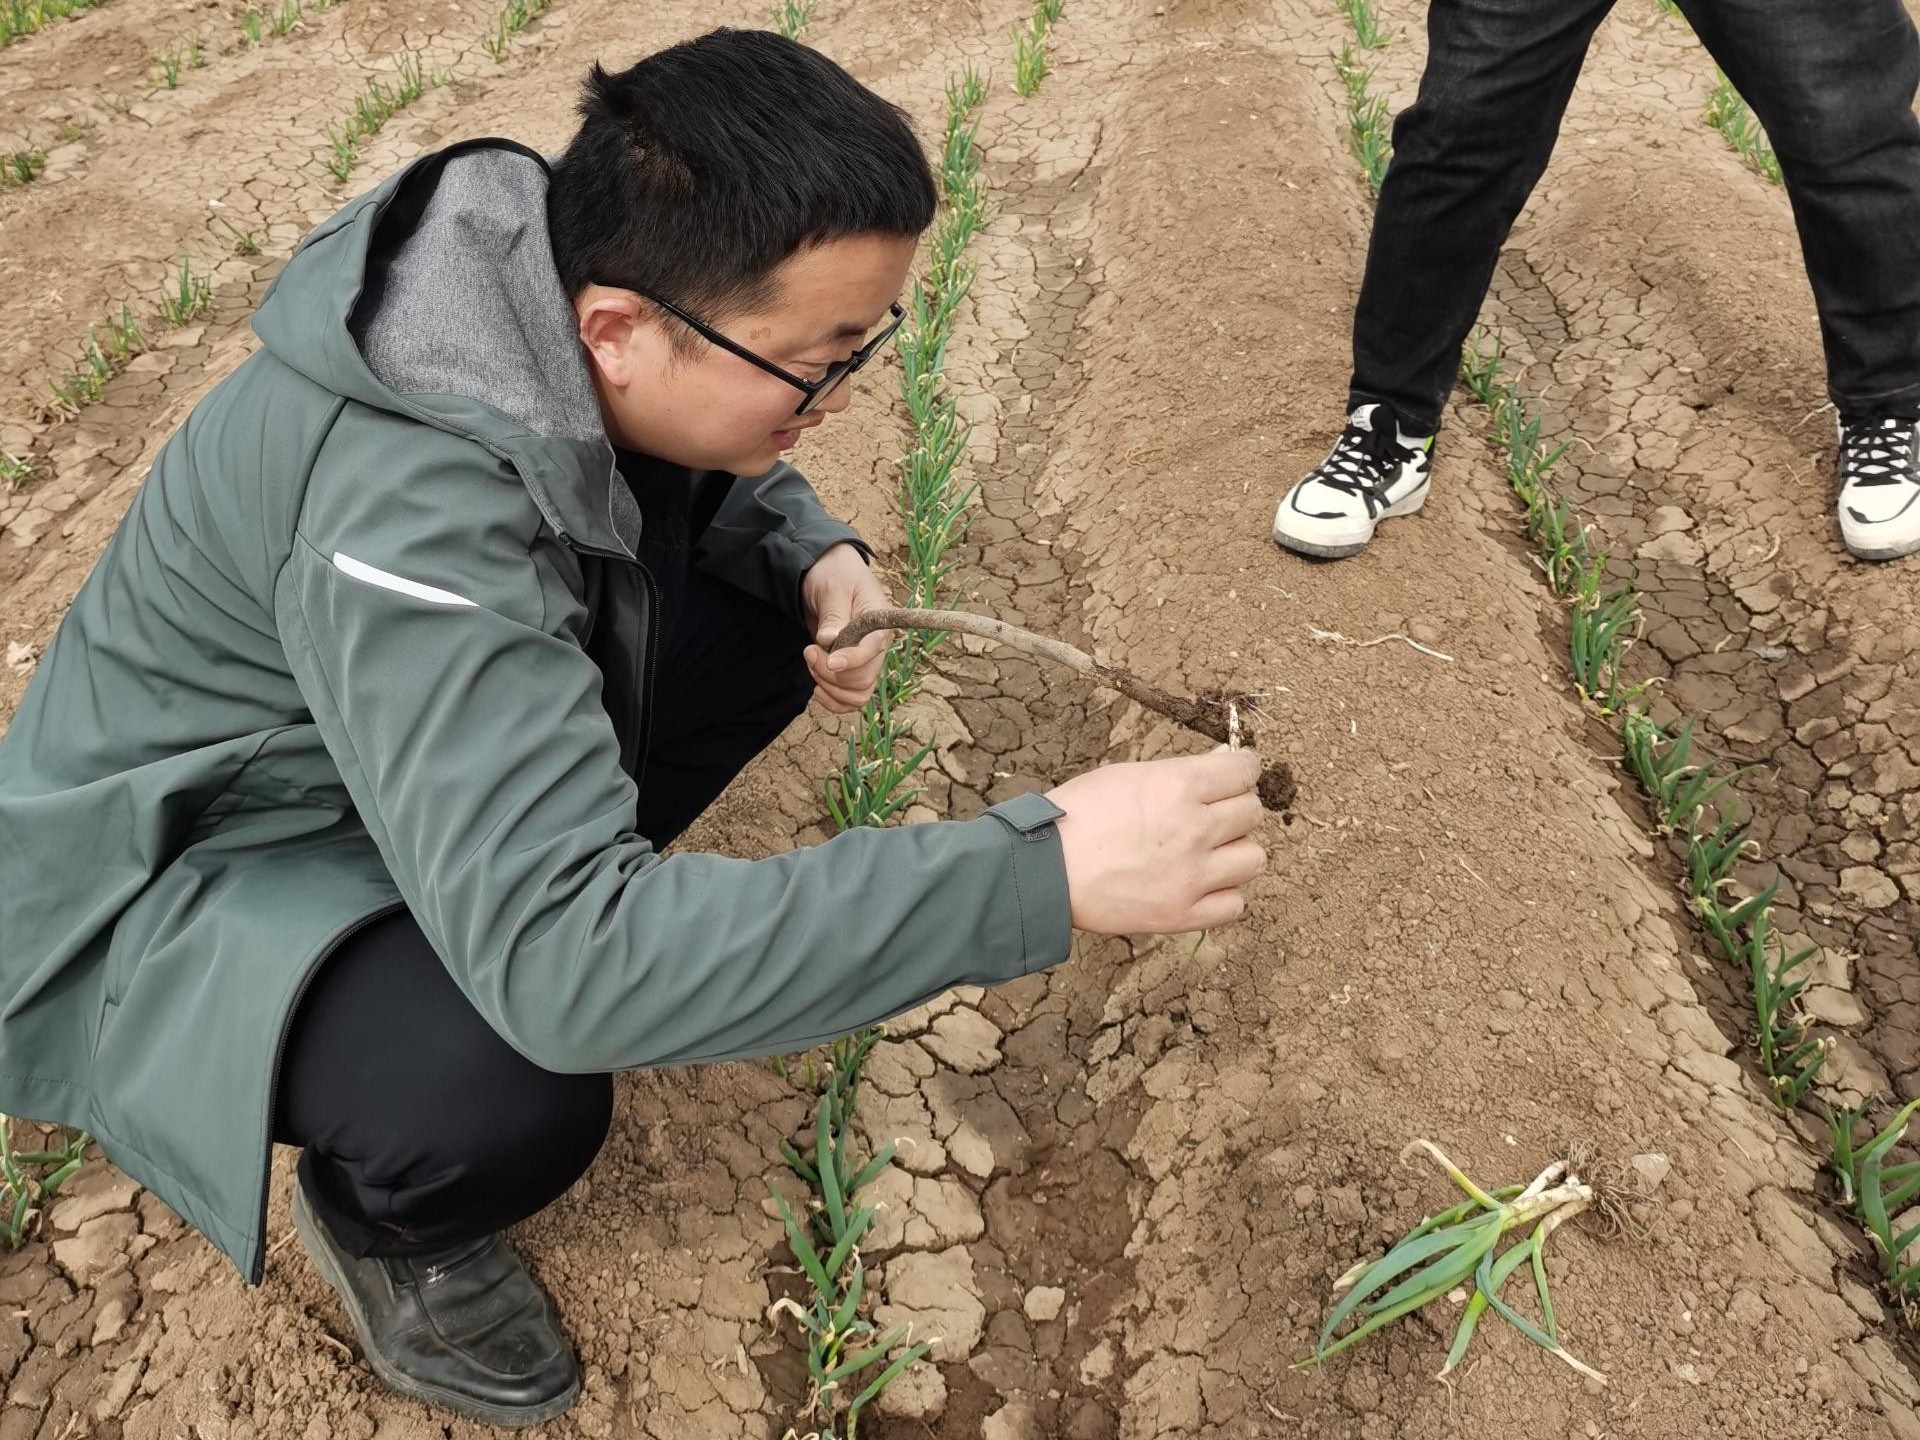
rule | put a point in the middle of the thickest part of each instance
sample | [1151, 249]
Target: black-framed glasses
[814, 391]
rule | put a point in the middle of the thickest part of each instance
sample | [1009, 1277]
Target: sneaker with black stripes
[1879, 500]
[1375, 472]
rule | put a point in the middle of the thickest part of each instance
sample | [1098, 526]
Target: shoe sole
[1894, 552]
[1319, 551]
[307, 1227]
[1883, 555]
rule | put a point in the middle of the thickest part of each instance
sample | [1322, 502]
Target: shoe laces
[1362, 460]
[1878, 452]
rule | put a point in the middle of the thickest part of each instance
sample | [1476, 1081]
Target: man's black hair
[699, 170]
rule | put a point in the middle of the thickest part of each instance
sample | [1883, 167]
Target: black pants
[422, 1129]
[1831, 80]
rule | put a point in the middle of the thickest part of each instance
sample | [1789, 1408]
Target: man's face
[718, 411]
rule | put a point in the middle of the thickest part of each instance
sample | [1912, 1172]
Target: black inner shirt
[676, 505]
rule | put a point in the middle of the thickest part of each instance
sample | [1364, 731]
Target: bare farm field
[1124, 1190]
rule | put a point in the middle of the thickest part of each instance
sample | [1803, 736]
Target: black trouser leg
[1833, 83]
[1467, 154]
[422, 1129]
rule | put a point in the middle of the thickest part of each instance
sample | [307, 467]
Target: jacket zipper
[646, 684]
[339, 938]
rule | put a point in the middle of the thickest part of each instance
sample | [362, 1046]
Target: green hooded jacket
[333, 662]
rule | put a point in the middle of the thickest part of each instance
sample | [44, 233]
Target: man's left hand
[837, 588]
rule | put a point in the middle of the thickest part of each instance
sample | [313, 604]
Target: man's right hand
[1161, 847]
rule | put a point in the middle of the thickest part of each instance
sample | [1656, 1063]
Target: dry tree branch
[1203, 718]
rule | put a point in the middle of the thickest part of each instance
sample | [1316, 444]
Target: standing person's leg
[425, 1134]
[1834, 86]
[1467, 154]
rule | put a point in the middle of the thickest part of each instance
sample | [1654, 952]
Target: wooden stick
[1220, 723]
[1177, 708]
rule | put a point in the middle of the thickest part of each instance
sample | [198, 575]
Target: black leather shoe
[467, 1329]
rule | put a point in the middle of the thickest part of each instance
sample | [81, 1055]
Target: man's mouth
[787, 439]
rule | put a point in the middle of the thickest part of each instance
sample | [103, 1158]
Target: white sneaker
[1879, 500]
[1375, 472]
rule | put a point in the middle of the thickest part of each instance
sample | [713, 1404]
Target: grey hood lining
[469, 304]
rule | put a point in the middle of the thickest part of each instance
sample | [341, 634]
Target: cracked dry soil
[1127, 1185]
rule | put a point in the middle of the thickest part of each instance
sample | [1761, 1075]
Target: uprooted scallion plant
[1461, 1246]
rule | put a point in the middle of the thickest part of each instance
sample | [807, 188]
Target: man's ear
[610, 324]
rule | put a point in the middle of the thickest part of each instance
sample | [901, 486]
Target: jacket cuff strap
[1039, 878]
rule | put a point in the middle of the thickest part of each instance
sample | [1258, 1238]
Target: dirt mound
[1129, 1184]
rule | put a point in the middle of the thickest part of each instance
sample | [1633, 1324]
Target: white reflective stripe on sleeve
[360, 570]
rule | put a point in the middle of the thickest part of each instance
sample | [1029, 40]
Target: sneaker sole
[1339, 551]
[307, 1227]
[1880, 552]
[1318, 552]
[1883, 555]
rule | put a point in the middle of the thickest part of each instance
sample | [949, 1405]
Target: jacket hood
[435, 296]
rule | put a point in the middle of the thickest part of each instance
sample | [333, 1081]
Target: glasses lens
[834, 379]
[837, 376]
